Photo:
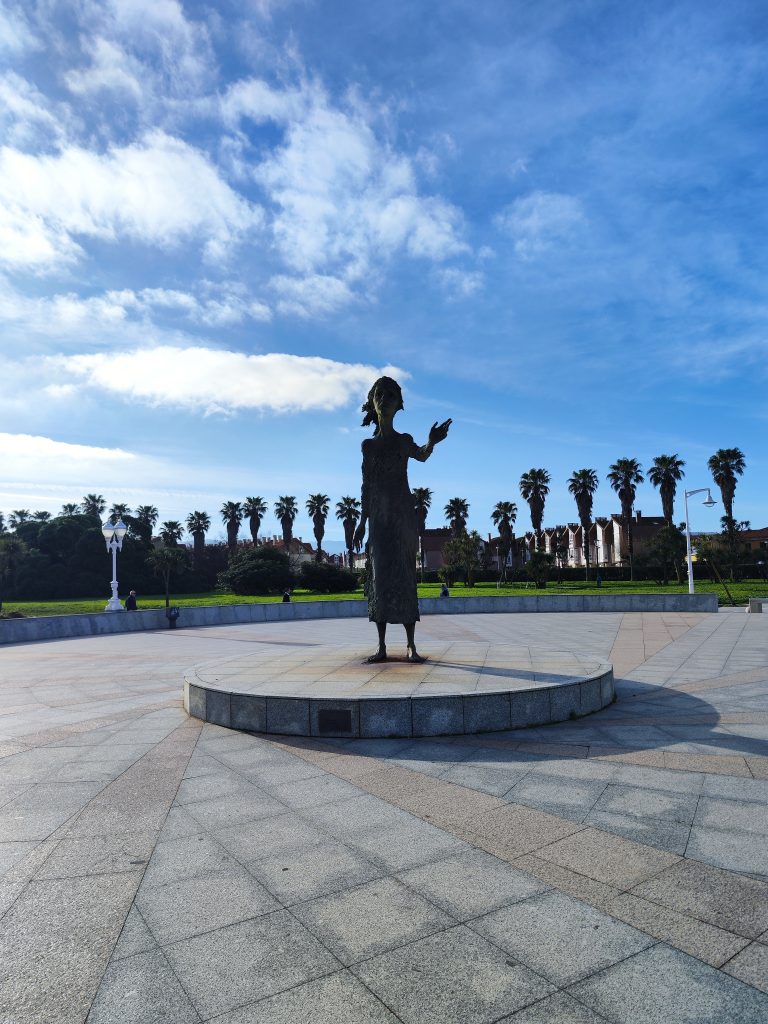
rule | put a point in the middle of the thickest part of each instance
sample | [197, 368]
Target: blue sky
[219, 222]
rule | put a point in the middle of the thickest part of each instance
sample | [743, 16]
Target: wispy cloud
[213, 381]
[158, 191]
[344, 201]
[540, 220]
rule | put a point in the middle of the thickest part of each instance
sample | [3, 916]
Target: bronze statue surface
[389, 513]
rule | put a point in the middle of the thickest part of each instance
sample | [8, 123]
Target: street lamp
[709, 502]
[113, 534]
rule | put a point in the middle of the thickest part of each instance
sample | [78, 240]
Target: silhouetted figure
[388, 511]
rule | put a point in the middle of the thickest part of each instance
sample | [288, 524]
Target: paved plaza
[612, 868]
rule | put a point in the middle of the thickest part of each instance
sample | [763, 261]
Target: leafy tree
[263, 570]
[12, 552]
[624, 476]
[286, 511]
[232, 516]
[582, 484]
[317, 507]
[198, 524]
[667, 550]
[164, 563]
[534, 487]
[725, 465]
[328, 579]
[664, 474]
[70, 509]
[93, 505]
[255, 508]
[463, 555]
[119, 511]
[538, 568]
[457, 512]
[171, 532]
[348, 511]
[18, 517]
[504, 516]
[2, 523]
[422, 501]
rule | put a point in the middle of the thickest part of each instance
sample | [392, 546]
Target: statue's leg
[410, 631]
[381, 654]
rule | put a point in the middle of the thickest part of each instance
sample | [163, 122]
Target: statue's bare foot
[380, 655]
[414, 656]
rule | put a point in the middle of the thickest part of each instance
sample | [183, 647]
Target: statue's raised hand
[439, 432]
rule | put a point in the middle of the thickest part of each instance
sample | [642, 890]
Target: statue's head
[385, 392]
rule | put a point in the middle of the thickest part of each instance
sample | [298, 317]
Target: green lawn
[741, 592]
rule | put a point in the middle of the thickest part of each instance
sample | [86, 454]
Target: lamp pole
[709, 502]
[113, 534]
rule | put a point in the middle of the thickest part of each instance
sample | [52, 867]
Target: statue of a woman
[388, 511]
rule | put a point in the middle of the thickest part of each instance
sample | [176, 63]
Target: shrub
[328, 579]
[257, 571]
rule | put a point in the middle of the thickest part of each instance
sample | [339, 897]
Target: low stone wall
[387, 717]
[59, 627]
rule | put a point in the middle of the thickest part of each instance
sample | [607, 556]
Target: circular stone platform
[462, 687]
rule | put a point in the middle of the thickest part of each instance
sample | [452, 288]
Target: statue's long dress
[393, 538]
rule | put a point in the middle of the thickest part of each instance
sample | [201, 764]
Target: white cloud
[159, 191]
[214, 381]
[122, 317]
[147, 50]
[343, 201]
[25, 117]
[540, 220]
[460, 284]
[316, 295]
[229, 304]
[15, 34]
[111, 69]
[31, 458]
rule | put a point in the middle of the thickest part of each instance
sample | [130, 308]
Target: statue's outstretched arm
[437, 433]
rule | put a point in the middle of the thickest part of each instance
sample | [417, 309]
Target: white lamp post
[113, 534]
[709, 502]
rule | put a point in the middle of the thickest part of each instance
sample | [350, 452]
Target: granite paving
[611, 868]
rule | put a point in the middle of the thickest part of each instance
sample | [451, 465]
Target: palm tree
[664, 474]
[534, 487]
[624, 476]
[348, 511]
[582, 484]
[119, 511]
[286, 511]
[504, 516]
[41, 516]
[70, 509]
[422, 500]
[94, 505]
[456, 512]
[317, 507]
[232, 516]
[19, 516]
[725, 465]
[255, 508]
[143, 522]
[170, 533]
[198, 524]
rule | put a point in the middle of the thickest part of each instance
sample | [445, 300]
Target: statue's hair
[368, 408]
